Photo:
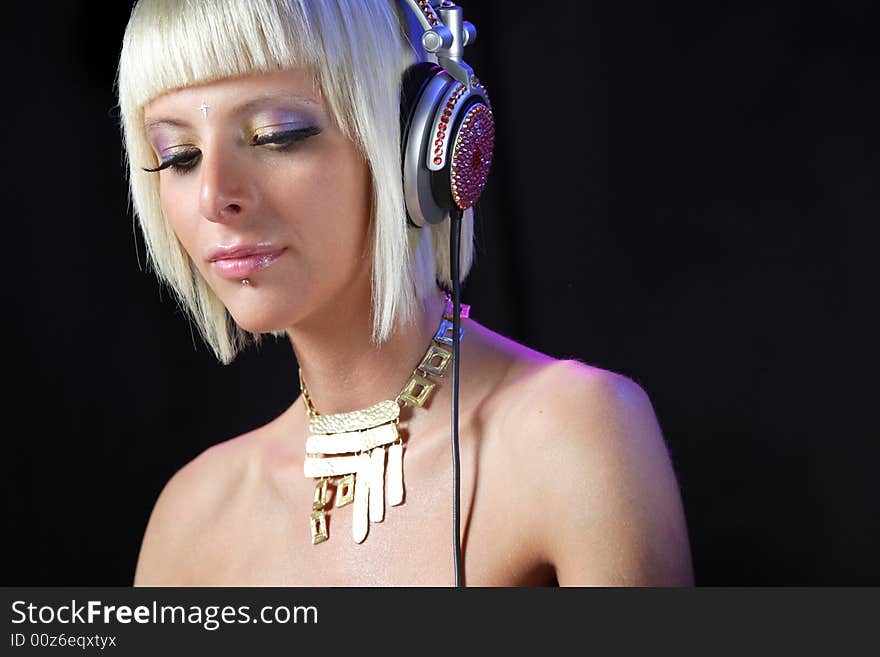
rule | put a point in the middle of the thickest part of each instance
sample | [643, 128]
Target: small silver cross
[204, 108]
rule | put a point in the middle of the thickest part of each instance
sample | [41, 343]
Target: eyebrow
[241, 108]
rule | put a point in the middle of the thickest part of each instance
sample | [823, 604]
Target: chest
[262, 535]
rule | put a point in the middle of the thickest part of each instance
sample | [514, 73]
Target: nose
[224, 194]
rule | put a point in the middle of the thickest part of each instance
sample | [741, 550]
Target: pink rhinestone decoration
[472, 156]
[428, 12]
[443, 125]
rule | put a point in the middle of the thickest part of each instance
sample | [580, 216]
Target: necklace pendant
[345, 490]
[394, 493]
[318, 523]
[377, 484]
[320, 495]
[360, 515]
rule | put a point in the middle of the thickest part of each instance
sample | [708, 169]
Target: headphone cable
[455, 216]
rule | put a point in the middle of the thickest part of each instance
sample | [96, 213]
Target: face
[259, 183]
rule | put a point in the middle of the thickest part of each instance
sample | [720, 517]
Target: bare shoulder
[186, 506]
[571, 394]
[597, 474]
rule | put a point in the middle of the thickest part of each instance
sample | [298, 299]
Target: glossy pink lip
[237, 262]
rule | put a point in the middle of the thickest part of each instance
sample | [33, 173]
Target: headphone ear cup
[447, 142]
[470, 151]
[414, 82]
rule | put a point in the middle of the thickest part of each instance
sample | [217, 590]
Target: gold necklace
[352, 446]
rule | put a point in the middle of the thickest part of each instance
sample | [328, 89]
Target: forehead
[232, 96]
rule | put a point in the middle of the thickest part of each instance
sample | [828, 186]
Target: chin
[267, 307]
[255, 324]
[252, 320]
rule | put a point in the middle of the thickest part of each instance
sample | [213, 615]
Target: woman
[263, 145]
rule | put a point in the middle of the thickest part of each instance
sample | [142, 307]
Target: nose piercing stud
[246, 282]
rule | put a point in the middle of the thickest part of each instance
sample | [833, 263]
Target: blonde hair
[357, 51]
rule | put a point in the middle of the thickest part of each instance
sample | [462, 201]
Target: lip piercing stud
[246, 282]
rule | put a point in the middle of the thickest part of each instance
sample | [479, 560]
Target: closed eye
[180, 162]
[186, 159]
[285, 138]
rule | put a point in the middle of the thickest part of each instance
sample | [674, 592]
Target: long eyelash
[283, 139]
[287, 137]
[175, 162]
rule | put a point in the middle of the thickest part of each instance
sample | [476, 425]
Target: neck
[343, 370]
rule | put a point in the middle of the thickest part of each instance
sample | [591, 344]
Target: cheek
[327, 203]
[174, 206]
[349, 200]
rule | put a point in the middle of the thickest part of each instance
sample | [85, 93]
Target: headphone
[447, 127]
[447, 144]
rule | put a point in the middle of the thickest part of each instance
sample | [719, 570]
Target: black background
[685, 193]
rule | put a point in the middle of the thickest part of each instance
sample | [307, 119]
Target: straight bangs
[170, 44]
[357, 51]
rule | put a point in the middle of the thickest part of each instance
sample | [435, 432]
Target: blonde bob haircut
[357, 51]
